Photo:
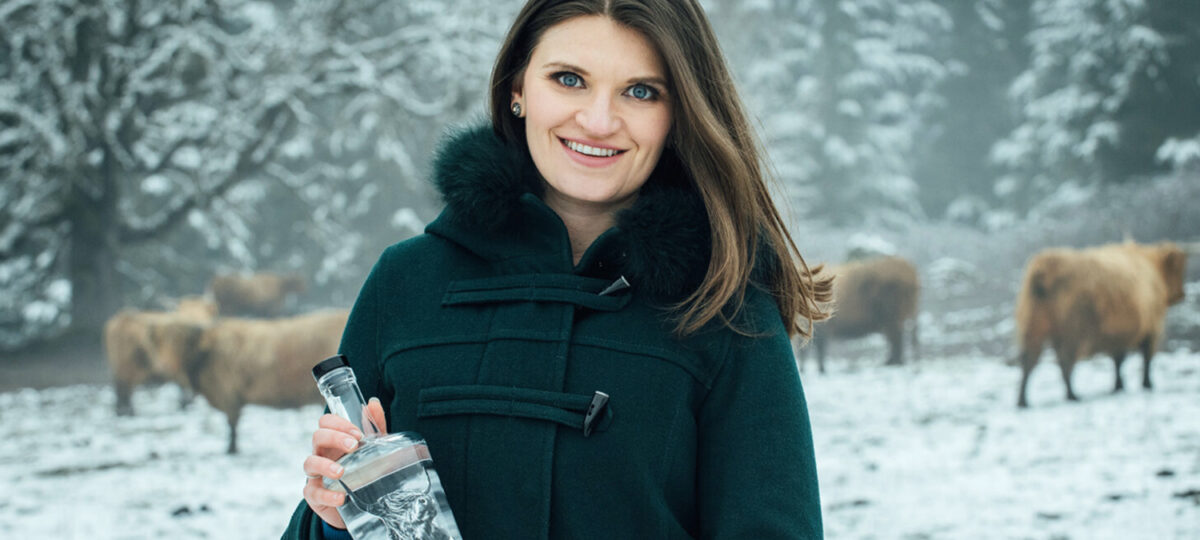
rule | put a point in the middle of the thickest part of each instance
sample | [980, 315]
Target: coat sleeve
[360, 344]
[305, 525]
[756, 476]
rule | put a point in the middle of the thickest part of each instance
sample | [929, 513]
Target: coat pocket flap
[591, 293]
[571, 410]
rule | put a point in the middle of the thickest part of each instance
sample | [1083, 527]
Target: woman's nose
[598, 118]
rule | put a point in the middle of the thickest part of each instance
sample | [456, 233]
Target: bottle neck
[342, 395]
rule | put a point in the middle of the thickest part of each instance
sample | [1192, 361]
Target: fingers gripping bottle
[393, 492]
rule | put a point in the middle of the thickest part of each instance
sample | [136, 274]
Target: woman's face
[597, 113]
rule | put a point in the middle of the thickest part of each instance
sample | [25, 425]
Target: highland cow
[871, 296]
[257, 295]
[128, 351]
[1105, 300]
[238, 362]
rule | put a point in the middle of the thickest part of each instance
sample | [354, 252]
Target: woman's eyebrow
[567, 67]
[649, 79]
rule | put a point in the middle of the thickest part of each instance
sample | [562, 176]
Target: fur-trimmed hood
[492, 190]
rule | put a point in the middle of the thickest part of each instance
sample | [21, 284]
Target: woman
[609, 232]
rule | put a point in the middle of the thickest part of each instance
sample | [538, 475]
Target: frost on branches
[141, 143]
[1109, 95]
[842, 97]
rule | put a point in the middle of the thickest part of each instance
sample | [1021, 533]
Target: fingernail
[356, 434]
[349, 443]
[336, 469]
[373, 400]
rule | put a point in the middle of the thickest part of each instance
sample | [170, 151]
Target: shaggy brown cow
[127, 346]
[238, 362]
[871, 296]
[257, 295]
[1109, 300]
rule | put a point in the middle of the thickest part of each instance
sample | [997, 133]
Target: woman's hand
[335, 437]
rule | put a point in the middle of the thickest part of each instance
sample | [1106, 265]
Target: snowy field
[936, 450]
[941, 451]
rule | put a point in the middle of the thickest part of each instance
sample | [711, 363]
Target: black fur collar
[661, 244]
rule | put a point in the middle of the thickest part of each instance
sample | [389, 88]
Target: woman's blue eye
[569, 79]
[643, 92]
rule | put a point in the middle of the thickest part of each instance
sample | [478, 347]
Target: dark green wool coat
[482, 336]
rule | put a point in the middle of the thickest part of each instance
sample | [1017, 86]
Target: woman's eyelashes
[568, 79]
[639, 91]
[642, 92]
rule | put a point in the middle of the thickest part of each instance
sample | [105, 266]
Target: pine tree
[843, 97]
[985, 51]
[1109, 81]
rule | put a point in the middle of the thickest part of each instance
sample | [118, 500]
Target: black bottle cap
[329, 364]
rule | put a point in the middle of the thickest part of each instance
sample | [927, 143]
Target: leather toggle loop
[599, 400]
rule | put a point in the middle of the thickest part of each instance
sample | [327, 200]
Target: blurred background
[147, 147]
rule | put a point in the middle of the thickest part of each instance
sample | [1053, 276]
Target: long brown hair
[712, 139]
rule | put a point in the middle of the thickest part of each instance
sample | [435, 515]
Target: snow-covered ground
[935, 450]
[76, 470]
[939, 450]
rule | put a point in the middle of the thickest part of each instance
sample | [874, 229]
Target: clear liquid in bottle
[394, 491]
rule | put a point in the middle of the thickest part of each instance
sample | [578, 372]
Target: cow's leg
[1149, 345]
[185, 398]
[895, 335]
[125, 381]
[124, 391]
[821, 342]
[916, 344]
[233, 417]
[1118, 359]
[1066, 362]
[1029, 359]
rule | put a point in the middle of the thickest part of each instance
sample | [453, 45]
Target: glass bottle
[393, 491]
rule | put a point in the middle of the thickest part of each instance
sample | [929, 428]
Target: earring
[516, 109]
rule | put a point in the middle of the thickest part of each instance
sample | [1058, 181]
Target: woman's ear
[515, 107]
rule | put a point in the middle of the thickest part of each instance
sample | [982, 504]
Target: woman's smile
[591, 155]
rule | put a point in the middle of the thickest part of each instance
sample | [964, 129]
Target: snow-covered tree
[985, 51]
[101, 99]
[1109, 82]
[381, 85]
[842, 89]
[1171, 123]
[121, 120]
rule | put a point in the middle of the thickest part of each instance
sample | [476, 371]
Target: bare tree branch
[250, 159]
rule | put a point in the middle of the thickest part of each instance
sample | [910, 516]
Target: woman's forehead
[598, 44]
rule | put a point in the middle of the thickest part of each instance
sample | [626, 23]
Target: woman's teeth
[589, 151]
